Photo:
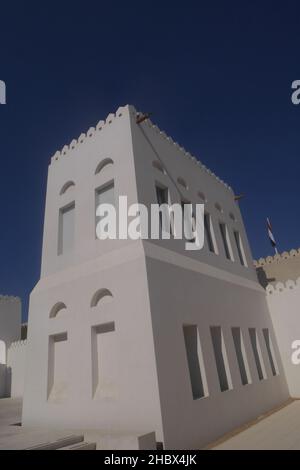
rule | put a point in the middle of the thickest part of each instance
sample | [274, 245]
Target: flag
[270, 234]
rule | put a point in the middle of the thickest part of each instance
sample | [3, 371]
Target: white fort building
[141, 336]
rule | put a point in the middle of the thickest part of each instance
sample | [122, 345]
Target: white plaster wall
[156, 286]
[150, 144]
[284, 305]
[190, 297]
[10, 319]
[113, 141]
[73, 278]
[133, 405]
[204, 289]
[16, 363]
[10, 330]
[3, 380]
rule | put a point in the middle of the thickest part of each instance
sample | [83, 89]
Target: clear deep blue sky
[216, 75]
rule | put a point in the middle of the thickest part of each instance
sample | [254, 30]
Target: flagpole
[271, 236]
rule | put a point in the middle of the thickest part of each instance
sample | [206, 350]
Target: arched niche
[56, 309]
[99, 296]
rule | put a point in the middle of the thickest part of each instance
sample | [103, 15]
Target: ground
[279, 429]
[15, 437]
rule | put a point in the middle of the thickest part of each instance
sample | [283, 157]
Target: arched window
[2, 352]
[182, 182]
[201, 195]
[68, 185]
[218, 207]
[56, 309]
[99, 295]
[102, 164]
[156, 164]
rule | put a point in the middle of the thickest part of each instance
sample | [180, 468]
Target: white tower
[141, 336]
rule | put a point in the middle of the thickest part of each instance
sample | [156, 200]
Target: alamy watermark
[295, 97]
[2, 92]
[178, 221]
[296, 354]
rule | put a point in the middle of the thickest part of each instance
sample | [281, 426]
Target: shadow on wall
[262, 277]
[8, 377]
[5, 381]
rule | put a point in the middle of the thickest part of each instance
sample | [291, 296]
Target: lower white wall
[193, 298]
[284, 305]
[10, 319]
[2, 380]
[16, 357]
[66, 386]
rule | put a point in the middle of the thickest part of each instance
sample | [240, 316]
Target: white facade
[284, 302]
[10, 331]
[16, 363]
[10, 322]
[141, 336]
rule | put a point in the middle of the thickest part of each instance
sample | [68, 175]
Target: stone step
[81, 446]
[59, 443]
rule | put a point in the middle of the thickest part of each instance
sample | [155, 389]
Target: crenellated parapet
[92, 132]
[181, 149]
[112, 117]
[18, 344]
[9, 299]
[283, 286]
[276, 258]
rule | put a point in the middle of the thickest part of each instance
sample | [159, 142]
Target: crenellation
[276, 258]
[73, 144]
[65, 150]
[91, 132]
[17, 344]
[119, 113]
[110, 118]
[187, 154]
[155, 128]
[9, 298]
[100, 125]
[81, 138]
[283, 286]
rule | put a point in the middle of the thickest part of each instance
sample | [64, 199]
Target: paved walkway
[280, 430]
[10, 411]
[14, 436]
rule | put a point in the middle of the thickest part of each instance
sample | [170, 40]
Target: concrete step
[80, 446]
[59, 443]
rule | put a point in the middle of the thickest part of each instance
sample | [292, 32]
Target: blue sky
[216, 75]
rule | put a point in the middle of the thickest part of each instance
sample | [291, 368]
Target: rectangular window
[241, 355]
[58, 366]
[224, 235]
[188, 221]
[257, 354]
[221, 358]
[195, 361]
[270, 350]
[104, 360]
[239, 247]
[208, 232]
[66, 228]
[104, 195]
[162, 196]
